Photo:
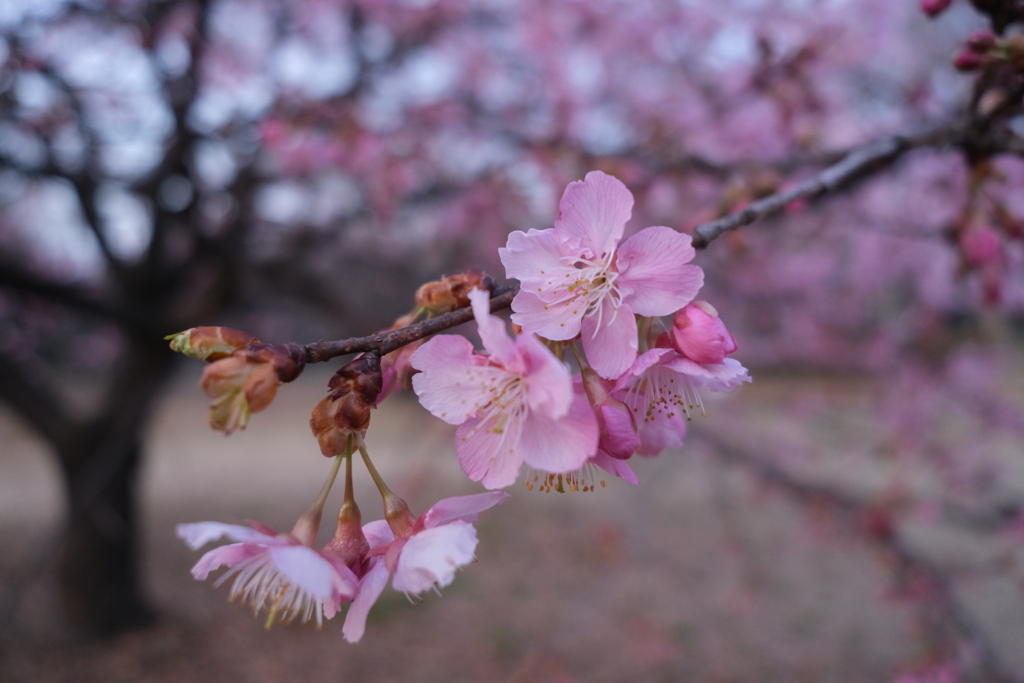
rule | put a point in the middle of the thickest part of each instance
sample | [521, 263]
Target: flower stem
[308, 523]
[579, 356]
[396, 511]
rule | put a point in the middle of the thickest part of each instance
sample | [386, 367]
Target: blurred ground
[693, 575]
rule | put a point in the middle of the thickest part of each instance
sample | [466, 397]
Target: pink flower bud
[934, 8]
[981, 41]
[968, 60]
[614, 420]
[700, 335]
[981, 246]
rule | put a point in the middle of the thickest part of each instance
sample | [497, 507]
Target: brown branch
[858, 163]
[386, 342]
[901, 551]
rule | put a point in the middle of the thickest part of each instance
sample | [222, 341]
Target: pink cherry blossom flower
[272, 571]
[661, 390]
[428, 555]
[576, 279]
[512, 406]
[700, 335]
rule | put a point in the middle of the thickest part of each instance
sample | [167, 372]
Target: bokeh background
[297, 168]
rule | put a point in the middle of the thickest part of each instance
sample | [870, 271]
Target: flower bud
[934, 8]
[617, 431]
[700, 335]
[452, 291]
[246, 382]
[210, 343]
[981, 246]
[981, 41]
[396, 370]
[968, 60]
[346, 408]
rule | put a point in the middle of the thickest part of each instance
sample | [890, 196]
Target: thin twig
[866, 159]
[386, 342]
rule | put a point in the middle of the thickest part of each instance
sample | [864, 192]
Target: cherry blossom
[576, 279]
[424, 553]
[661, 391]
[512, 406]
[272, 571]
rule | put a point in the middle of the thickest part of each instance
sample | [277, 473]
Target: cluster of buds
[451, 292]
[346, 408]
[246, 382]
[243, 375]
[984, 48]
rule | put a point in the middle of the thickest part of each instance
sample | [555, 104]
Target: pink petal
[370, 588]
[725, 376]
[593, 213]
[378, 533]
[493, 333]
[551, 321]
[535, 258]
[308, 570]
[451, 383]
[654, 278]
[643, 362]
[549, 380]
[610, 349]
[561, 445]
[199, 534]
[663, 428]
[488, 457]
[614, 466]
[432, 556]
[618, 435]
[461, 508]
[345, 588]
[229, 555]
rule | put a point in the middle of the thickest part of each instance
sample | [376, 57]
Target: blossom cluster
[284, 575]
[518, 402]
[625, 312]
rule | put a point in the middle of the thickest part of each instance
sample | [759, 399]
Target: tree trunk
[99, 559]
[98, 563]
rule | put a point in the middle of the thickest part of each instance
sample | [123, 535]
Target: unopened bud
[981, 245]
[934, 8]
[616, 427]
[346, 408]
[981, 41]
[210, 343]
[968, 60]
[397, 370]
[700, 335]
[246, 382]
[452, 291]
